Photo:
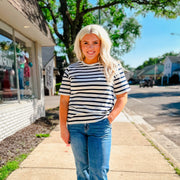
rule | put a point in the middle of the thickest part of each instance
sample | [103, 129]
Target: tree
[156, 60]
[67, 17]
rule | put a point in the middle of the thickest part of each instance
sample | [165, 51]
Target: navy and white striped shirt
[91, 97]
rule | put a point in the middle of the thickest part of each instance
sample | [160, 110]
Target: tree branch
[139, 2]
[77, 22]
[78, 2]
[54, 21]
[99, 7]
[67, 22]
[64, 11]
[69, 18]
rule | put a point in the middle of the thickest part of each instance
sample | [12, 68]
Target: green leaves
[66, 19]
[161, 8]
[42, 135]
[156, 60]
[10, 166]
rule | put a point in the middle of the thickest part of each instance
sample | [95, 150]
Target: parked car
[132, 81]
[146, 83]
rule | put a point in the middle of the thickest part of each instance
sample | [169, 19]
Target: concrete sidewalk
[132, 158]
[51, 102]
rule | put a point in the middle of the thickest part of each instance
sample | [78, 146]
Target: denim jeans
[91, 146]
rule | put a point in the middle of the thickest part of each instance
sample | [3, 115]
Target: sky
[155, 40]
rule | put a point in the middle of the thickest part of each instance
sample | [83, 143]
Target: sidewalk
[132, 157]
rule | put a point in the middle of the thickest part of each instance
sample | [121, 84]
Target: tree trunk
[72, 57]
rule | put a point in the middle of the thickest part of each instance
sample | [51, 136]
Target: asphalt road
[158, 106]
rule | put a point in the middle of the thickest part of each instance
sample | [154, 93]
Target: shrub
[58, 86]
[174, 79]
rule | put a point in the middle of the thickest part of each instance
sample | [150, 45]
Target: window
[15, 66]
[8, 84]
[24, 65]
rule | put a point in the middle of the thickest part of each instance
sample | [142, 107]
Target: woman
[87, 106]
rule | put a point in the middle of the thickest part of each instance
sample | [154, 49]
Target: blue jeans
[91, 146]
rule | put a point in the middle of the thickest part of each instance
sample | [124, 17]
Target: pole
[155, 72]
[16, 67]
[99, 12]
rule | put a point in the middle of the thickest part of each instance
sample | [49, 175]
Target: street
[159, 107]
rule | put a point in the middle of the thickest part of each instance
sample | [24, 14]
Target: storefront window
[15, 66]
[8, 83]
[24, 65]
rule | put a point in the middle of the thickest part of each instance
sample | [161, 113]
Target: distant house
[49, 70]
[177, 71]
[153, 71]
[171, 66]
[128, 74]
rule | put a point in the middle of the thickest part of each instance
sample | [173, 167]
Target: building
[152, 72]
[49, 70]
[171, 66]
[23, 32]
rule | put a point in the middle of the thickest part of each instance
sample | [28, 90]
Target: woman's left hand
[110, 120]
[121, 100]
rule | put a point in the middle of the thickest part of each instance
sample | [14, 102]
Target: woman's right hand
[65, 135]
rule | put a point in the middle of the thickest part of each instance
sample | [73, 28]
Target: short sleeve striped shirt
[91, 97]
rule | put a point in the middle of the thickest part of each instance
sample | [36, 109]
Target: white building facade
[23, 32]
[171, 66]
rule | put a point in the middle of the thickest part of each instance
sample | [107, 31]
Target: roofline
[33, 32]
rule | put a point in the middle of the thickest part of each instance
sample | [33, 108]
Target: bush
[58, 86]
[174, 79]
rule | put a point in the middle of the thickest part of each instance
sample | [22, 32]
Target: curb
[168, 157]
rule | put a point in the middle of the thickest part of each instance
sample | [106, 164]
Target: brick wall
[14, 117]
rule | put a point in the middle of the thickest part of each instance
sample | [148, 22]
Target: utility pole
[99, 12]
[155, 72]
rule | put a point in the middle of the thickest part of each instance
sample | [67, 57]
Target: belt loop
[86, 126]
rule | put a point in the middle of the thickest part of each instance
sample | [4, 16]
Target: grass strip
[42, 135]
[177, 170]
[10, 166]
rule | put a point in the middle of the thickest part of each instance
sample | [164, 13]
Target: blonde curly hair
[109, 63]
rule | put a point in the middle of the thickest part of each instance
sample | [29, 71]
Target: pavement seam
[47, 168]
[145, 172]
[142, 172]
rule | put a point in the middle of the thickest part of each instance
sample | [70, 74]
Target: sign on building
[49, 75]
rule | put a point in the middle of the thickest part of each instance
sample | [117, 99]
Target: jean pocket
[107, 122]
